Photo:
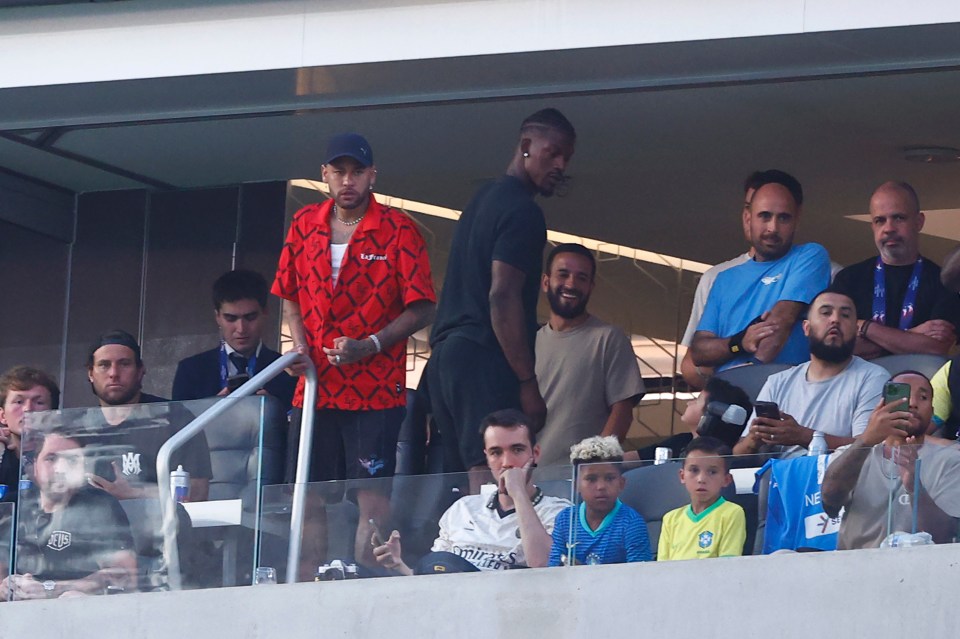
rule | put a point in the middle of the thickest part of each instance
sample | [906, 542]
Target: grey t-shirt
[838, 406]
[879, 485]
[582, 372]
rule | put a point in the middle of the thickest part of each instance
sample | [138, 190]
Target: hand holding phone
[769, 410]
[236, 381]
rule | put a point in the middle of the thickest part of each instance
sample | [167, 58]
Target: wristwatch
[49, 586]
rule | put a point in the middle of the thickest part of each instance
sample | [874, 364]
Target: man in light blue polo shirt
[754, 310]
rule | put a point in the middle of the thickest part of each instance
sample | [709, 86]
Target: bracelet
[736, 342]
[376, 342]
[863, 328]
[529, 379]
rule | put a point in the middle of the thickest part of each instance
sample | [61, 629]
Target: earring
[525, 154]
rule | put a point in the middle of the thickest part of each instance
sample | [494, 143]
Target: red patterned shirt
[384, 270]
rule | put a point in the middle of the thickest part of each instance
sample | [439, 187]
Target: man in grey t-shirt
[875, 481]
[833, 393]
[586, 368]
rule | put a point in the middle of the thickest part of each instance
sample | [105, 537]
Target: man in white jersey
[510, 528]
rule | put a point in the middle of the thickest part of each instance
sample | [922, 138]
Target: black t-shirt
[74, 541]
[501, 223]
[933, 300]
[135, 442]
[10, 475]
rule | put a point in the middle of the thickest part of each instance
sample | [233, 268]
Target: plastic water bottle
[180, 484]
[818, 445]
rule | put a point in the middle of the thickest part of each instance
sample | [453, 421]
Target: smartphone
[770, 410]
[377, 539]
[236, 381]
[895, 392]
[102, 466]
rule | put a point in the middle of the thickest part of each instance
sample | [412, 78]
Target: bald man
[901, 305]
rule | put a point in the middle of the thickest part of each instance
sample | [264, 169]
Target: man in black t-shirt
[74, 539]
[126, 437]
[483, 336]
[901, 305]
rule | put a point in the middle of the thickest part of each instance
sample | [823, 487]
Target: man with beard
[484, 334]
[753, 311]
[901, 305]
[834, 393]
[586, 368]
[859, 477]
[73, 539]
[125, 437]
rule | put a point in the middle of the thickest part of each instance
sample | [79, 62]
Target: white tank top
[337, 251]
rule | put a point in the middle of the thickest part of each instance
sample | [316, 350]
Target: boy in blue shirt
[604, 530]
[710, 526]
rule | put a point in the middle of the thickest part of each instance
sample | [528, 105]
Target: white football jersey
[478, 534]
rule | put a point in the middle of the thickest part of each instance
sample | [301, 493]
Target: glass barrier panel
[408, 524]
[90, 517]
[650, 510]
[7, 527]
[905, 495]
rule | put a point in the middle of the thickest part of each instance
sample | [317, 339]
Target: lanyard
[224, 369]
[909, 298]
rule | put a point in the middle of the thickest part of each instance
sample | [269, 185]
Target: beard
[557, 305]
[831, 354]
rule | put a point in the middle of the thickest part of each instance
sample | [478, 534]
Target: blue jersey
[743, 293]
[620, 538]
[795, 517]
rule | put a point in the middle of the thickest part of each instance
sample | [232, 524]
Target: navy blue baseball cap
[351, 145]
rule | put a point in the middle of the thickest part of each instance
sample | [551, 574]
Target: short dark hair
[910, 371]
[711, 446]
[116, 336]
[549, 118]
[571, 247]
[23, 378]
[508, 418]
[784, 179]
[752, 181]
[833, 291]
[720, 390]
[237, 285]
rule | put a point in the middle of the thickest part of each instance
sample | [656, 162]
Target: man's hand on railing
[299, 367]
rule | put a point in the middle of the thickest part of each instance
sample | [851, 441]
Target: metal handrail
[258, 381]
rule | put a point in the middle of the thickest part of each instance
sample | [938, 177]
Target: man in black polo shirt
[901, 305]
[74, 539]
[483, 336]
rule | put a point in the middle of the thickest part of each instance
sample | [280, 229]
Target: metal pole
[168, 506]
[303, 473]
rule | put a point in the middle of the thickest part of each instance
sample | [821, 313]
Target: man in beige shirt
[586, 368]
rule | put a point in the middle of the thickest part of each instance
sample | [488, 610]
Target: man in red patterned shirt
[355, 280]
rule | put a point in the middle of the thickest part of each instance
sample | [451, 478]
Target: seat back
[235, 452]
[922, 363]
[653, 491]
[751, 378]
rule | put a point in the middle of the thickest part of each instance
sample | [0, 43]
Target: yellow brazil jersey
[719, 531]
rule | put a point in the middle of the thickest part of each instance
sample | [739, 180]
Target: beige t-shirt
[582, 372]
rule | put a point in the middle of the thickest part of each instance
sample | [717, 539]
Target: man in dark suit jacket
[240, 304]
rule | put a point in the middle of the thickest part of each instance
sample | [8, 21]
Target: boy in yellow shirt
[710, 526]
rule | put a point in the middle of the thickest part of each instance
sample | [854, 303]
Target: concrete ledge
[873, 593]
